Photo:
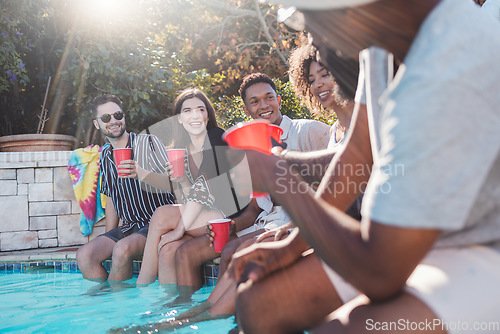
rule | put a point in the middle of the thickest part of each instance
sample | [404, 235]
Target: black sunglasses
[118, 115]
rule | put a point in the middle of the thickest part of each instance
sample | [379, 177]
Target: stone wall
[38, 208]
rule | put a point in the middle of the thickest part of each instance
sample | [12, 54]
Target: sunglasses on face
[118, 115]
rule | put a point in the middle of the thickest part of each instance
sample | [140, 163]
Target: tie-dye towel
[83, 167]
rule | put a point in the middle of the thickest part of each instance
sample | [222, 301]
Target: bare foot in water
[169, 324]
[195, 310]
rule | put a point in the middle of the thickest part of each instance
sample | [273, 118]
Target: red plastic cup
[176, 158]
[252, 135]
[221, 229]
[275, 132]
[120, 155]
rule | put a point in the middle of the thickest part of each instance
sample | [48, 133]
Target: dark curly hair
[300, 61]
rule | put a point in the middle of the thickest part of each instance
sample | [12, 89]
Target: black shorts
[116, 234]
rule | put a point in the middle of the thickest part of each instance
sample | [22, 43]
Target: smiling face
[262, 102]
[114, 128]
[323, 87]
[194, 116]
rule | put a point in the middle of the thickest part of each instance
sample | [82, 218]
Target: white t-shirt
[304, 134]
[492, 7]
[438, 161]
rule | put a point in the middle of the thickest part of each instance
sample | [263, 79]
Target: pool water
[51, 302]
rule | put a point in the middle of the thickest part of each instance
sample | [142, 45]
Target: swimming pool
[45, 301]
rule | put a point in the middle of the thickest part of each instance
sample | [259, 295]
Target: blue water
[66, 303]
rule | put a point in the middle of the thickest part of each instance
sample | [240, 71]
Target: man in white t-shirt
[426, 256]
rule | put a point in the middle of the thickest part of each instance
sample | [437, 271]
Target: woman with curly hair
[321, 92]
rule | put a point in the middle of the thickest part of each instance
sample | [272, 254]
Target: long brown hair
[180, 136]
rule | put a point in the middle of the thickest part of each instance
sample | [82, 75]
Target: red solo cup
[120, 155]
[176, 158]
[254, 135]
[275, 133]
[220, 227]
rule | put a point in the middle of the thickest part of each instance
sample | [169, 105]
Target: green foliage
[16, 42]
[144, 51]
[229, 111]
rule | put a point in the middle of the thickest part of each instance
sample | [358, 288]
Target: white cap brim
[319, 4]
[292, 18]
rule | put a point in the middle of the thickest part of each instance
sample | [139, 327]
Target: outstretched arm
[374, 257]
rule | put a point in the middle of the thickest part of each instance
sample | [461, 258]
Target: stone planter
[37, 143]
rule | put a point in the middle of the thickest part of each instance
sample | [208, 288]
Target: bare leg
[361, 316]
[303, 287]
[223, 287]
[167, 268]
[91, 255]
[124, 252]
[164, 219]
[221, 302]
[189, 258]
[231, 247]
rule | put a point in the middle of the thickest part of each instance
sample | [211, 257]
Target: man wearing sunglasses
[128, 200]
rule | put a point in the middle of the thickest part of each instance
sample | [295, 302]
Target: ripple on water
[48, 302]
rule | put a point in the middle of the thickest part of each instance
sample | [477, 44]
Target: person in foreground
[127, 199]
[204, 189]
[425, 257]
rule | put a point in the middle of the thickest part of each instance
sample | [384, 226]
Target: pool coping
[40, 254]
[63, 259]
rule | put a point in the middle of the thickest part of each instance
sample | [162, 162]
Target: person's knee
[122, 252]
[167, 254]
[185, 254]
[85, 255]
[82, 256]
[228, 250]
[162, 217]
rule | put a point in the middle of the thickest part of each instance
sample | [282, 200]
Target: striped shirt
[134, 201]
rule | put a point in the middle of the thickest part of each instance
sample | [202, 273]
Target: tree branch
[266, 31]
